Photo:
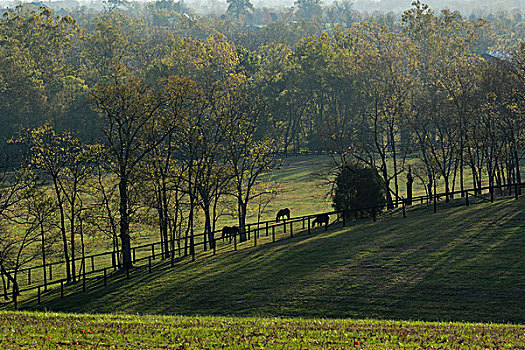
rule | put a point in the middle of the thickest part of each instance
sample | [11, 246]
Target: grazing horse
[282, 213]
[321, 219]
[229, 232]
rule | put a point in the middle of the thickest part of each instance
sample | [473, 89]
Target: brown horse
[281, 214]
[229, 232]
[320, 220]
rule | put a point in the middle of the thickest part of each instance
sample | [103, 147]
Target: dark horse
[282, 213]
[320, 220]
[229, 232]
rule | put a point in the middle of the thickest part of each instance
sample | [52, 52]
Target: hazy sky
[217, 6]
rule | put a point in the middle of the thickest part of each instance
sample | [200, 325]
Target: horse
[321, 219]
[229, 232]
[282, 213]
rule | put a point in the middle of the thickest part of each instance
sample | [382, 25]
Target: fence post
[92, 263]
[291, 229]
[38, 294]
[266, 228]
[149, 264]
[435, 202]
[153, 250]
[105, 277]
[192, 247]
[234, 241]
[28, 276]
[284, 225]
[308, 225]
[134, 255]
[255, 239]
[466, 199]
[303, 223]
[84, 278]
[273, 233]
[45, 278]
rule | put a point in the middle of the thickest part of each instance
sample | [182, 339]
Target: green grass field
[52, 331]
[302, 184]
[395, 283]
[460, 264]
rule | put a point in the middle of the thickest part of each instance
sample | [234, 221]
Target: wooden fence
[47, 278]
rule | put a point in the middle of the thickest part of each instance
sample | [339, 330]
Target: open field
[302, 184]
[459, 264]
[51, 331]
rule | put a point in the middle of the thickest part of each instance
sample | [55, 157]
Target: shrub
[356, 187]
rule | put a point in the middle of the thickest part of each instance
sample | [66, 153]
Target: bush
[356, 187]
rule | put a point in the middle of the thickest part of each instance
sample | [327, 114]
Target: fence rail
[102, 266]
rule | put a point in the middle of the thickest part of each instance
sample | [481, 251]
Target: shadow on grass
[458, 264]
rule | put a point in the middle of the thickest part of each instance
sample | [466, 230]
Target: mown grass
[52, 331]
[459, 264]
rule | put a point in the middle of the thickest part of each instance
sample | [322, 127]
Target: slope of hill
[461, 264]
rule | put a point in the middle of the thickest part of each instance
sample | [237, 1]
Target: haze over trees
[147, 115]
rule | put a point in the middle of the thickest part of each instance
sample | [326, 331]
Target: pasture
[459, 264]
[301, 183]
[67, 331]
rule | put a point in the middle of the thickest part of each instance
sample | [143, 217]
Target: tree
[358, 189]
[128, 109]
[12, 244]
[248, 154]
[308, 9]
[38, 81]
[388, 69]
[65, 163]
[447, 70]
[133, 128]
[239, 7]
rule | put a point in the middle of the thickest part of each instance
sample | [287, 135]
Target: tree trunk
[208, 226]
[518, 174]
[165, 220]
[242, 209]
[6, 296]
[72, 234]
[394, 160]
[42, 237]
[11, 279]
[63, 230]
[124, 224]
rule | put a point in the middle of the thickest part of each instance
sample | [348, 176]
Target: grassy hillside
[301, 184]
[52, 331]
[460, 264]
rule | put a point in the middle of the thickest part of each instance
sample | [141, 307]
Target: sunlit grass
[51, 331]
[457, 264]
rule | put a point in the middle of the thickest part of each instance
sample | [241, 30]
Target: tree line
[113, 122]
